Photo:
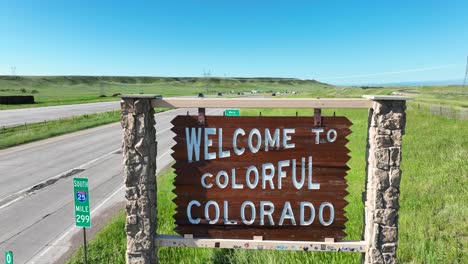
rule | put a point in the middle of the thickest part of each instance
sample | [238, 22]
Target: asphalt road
[36, 192]
[9, 118]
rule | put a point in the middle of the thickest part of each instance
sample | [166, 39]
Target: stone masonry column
[139, 151]
[386, 127]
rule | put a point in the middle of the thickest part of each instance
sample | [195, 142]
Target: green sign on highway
[8, 257]
[82, 210]
[232, 112]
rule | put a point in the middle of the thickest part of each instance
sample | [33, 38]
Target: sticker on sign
[81, 196]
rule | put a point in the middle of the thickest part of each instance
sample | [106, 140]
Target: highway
[16, 117]
[36, 192]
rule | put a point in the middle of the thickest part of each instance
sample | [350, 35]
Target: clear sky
[338, 42]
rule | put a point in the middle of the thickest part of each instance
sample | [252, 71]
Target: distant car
[201, 95]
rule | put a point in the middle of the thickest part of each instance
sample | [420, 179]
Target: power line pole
[13, 70]
[207, 74]
[466, 73]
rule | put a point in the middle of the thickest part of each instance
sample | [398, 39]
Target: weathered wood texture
[178, 102]
[346, 246]
[329, 169]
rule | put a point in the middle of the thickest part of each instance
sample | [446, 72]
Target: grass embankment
[31, 132]
[59, 90]
[56, 90]
[433, 224]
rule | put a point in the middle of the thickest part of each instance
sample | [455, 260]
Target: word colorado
[298, 172]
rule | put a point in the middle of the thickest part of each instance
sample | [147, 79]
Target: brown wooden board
[328, 165]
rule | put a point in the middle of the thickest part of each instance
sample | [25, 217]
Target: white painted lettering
[287, 137]
[203, 182]
[193, 143]
[302, 220]
[189, 213]
[255, 132]
[221, 153]
[237, 132]
[271, 142]
[268, 176]
[208, 143]
[253, 214]
[287, 214]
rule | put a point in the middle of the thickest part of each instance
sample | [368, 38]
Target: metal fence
[441, 110]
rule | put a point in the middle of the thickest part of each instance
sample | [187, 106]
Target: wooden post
[386, 128]
[139, 151]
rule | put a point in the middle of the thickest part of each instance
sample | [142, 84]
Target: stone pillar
[386, 127]
[139, 151]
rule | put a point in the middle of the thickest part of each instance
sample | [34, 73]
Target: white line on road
[73, 228]
[56, 242]
[23, 193]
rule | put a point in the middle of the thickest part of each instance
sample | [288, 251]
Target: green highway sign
[82, 210]
[232, 112]
[8, 257]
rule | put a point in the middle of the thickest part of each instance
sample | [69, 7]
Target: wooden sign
[281, 178]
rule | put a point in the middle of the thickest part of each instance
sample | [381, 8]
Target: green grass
[56, 90]
[433, 224]
[27, 133]
[59, 90]
[18, 135]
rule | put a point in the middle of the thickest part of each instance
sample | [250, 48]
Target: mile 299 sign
[281, 178]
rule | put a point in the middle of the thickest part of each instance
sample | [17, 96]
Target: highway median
[13, 136]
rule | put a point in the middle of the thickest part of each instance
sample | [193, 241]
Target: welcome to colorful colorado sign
[278, 177]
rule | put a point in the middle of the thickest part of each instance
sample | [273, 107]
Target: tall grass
[31, 132]
[433, 226]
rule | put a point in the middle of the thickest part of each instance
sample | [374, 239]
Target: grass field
[57, 90]
[80, 89]
[433, 224]
[32, 132]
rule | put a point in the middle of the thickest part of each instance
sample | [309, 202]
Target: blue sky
[341, 42]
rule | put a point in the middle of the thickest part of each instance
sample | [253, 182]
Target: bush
[34, 91]
[23, 90]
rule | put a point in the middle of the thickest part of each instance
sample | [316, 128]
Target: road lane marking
[24, 192]
[49, 246]
[93, 212]
[73, 228]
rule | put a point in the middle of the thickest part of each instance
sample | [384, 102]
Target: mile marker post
[82, 209]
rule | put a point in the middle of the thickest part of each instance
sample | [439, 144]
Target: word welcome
[279, 138]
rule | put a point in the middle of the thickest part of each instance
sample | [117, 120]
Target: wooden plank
[387, 97]
[259, 244]
[179, 102]
[238, 232]
[328, 169]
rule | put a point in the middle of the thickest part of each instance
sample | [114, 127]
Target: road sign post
[82, 210]
[8, 257]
